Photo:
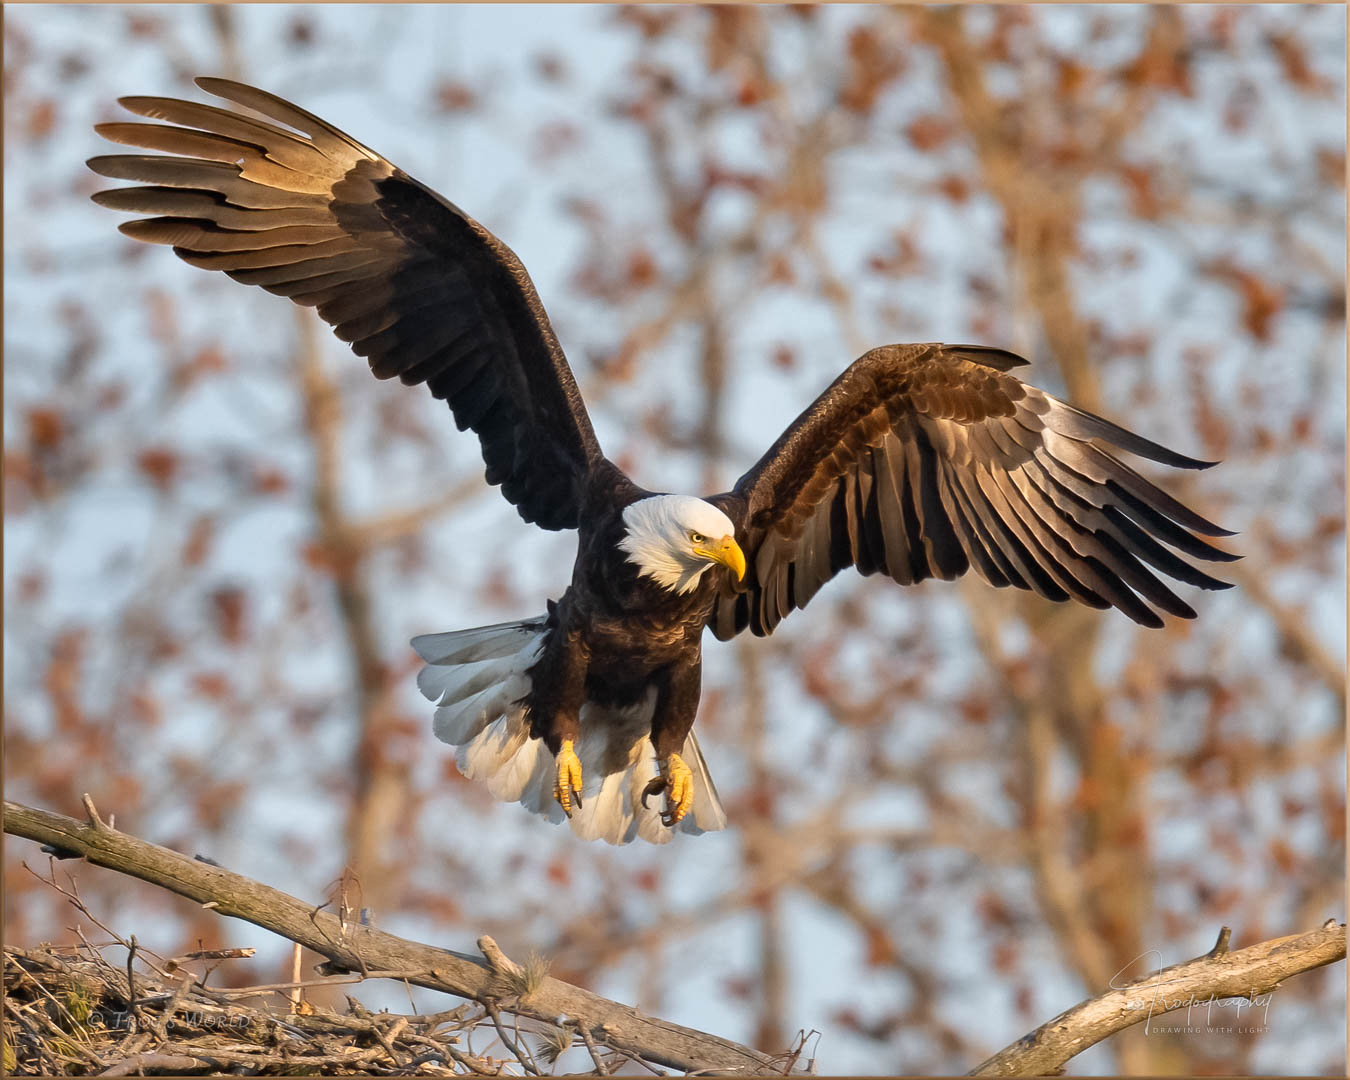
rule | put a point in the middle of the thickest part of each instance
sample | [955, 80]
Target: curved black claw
[656, 787]
[670, 817]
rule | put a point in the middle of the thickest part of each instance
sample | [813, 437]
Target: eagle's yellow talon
[569, 777]
[678, 783]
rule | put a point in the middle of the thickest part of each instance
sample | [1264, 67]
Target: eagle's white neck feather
[657, 540]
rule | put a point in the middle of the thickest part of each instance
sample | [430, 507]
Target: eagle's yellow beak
[727, 552]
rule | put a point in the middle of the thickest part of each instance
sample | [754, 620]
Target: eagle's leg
[676, 705]
[568, 784]
[557, 690]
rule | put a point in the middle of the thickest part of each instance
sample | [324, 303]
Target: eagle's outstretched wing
[925, 460]
[415, 285]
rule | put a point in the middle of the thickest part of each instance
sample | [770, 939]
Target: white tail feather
[461, 721]
[479, 643]
[705, 791]
[478, 678]
[447, 685]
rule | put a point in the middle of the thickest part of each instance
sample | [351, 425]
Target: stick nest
[69, 1011]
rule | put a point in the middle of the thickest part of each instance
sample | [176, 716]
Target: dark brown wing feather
[925, 460]
[415, 285]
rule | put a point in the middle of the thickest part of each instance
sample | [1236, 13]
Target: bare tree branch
[1251, 974]
[356, 947]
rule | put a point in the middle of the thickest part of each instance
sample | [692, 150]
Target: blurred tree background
[955, 810]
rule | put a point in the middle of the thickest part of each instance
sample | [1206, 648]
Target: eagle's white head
[673, 539]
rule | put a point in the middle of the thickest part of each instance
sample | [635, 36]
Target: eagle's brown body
[614, 636]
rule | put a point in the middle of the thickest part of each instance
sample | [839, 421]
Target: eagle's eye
[697, 538]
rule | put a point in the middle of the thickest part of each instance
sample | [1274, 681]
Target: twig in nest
[472, 1062]
[600, 1065]
[34, 1039]
[520, 1053]
[160, 1026]
[295, 977]
[138, 1064]
[790, 1059]
[387, 1039]
[131, 980]
[215, 954]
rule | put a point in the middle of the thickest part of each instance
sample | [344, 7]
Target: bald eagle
[918, 461]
